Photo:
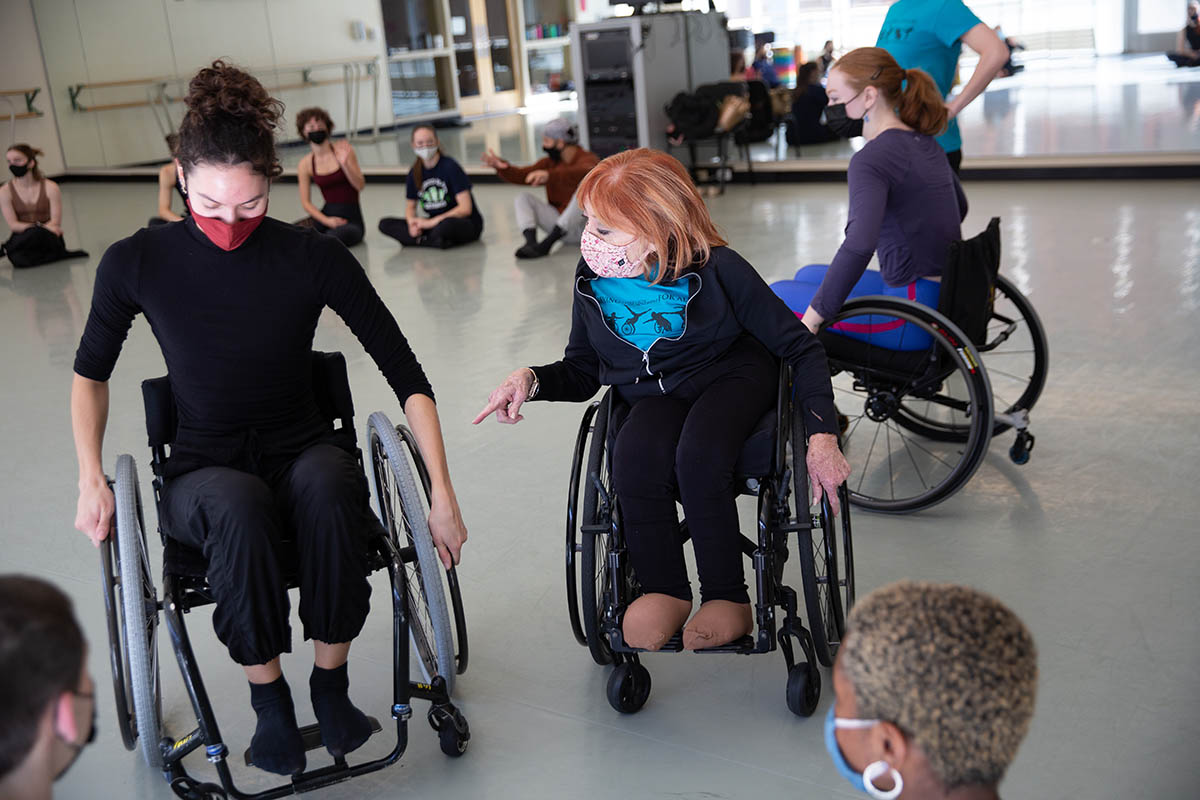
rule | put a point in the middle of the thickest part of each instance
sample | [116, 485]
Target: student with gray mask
[560, 172]
[47, 697]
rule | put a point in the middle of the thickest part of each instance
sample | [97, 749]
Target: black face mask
[318, 137]
[78, 748]
[18, 169]
[555, 153]
[842, 125]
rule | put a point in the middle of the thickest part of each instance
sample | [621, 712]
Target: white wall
[96, 41]
[21, 68]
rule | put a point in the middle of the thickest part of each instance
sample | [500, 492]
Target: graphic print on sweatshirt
[641, 312]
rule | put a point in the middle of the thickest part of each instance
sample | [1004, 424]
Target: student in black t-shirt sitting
[440, 188]
[1187, 46]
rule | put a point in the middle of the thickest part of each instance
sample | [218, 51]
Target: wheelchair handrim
[882, 389]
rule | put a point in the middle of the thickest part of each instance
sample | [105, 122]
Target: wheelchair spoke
[887, 430]
[904, 440]
[868, 461]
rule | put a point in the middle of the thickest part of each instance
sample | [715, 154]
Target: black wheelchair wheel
[142, 705]
[598, 510]
[895, 469]
[803, 689]
[453, 743]
[1015, 355]
[406, 519]
[461, 652]
[575, 521]
[828, 579]
[629, 687]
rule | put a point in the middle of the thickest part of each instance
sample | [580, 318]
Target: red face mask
[223, 234]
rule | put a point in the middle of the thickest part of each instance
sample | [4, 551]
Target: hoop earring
[878, 769]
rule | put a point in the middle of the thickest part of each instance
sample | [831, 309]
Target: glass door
[483, 49]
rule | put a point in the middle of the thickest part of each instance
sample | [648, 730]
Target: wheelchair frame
[597, 624]
[182, 593]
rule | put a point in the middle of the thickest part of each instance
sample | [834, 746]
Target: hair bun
[224, 89]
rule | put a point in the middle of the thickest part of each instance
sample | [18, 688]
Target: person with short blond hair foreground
[935, 689]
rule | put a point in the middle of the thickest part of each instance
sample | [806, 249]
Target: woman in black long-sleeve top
[688, 333]
[233, 298]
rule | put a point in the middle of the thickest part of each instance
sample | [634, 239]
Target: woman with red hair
[689, 335]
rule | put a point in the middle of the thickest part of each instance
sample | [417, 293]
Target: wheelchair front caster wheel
[452, 729]
[803, 689]
[1019, 452]
[629, 687]
[453, 743]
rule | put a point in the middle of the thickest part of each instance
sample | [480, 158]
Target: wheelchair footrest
[675, 645]
[311, 734]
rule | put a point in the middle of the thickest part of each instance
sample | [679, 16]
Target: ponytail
[912, 92]
[921, 105]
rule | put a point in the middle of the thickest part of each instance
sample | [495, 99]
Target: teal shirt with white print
[641, 312]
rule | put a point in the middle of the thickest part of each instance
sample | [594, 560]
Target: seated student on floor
[690, 337]
[333, 166]
[32, 206]
[47, 697]
[935, 686]
[905, 201]
[1187, 43]
[560, 172]
[168, 182]
[438, 188]
[233, 298]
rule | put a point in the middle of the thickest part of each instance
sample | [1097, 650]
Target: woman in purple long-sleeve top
[906, 204]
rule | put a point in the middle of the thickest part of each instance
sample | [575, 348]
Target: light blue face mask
[862, 781]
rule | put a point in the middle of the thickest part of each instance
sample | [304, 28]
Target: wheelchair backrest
[969, 282]
[331, 385]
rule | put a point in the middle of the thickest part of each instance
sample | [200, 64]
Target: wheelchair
[402, 545]
[771, 467]
[921, 415]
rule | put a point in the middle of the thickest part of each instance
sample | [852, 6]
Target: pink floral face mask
[607, 260]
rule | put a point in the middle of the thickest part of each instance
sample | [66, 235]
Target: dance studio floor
[1093, 542]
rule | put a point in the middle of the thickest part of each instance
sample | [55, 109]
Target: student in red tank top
[332, 166]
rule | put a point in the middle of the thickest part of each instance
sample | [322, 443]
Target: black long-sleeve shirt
[236, 328]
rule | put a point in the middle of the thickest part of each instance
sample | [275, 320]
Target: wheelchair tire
[575, 522]
[139, 612]
[629, 687]
[827, 578]
[909, 475]
[461, 651]
[594, 549]
[1016, 358]
[406, 519]
[803, 689]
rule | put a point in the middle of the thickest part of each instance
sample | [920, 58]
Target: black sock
[343, 727]
[276, 745]
[530, 235]
[555, 234]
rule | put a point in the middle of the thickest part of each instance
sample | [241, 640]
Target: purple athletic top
[907, 204]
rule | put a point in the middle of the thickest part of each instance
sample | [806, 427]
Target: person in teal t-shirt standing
[928, 35]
